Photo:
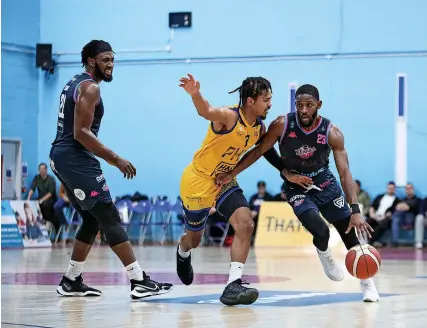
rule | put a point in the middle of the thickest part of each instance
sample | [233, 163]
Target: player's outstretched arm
[87, 99]
[336, 141]
[274, 132]
[271, 155]
[223, 115]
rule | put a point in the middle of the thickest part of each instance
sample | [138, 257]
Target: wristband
[355, 208]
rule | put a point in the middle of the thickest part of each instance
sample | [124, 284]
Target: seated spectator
[62, 202]
[405, 213]
[380, 213]
[255, 203]
[46, 194]
[420, 222]
[363, 199]
[281, 197]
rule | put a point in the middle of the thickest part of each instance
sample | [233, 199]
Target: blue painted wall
[20, 31]
[153, 123]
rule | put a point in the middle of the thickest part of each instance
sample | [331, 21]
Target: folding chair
[125, 208]
[223, 227]
[69, 213]
[177, 210]
[162, 211]
[76, 221]
[144, 209]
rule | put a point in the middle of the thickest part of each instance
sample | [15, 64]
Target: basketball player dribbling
[305, 142]
[72, 159]
[232, 131]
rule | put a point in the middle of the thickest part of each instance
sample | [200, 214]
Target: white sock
[134, 271]
[236, 271]
[74, 270]
[183, 254]
[323, 252]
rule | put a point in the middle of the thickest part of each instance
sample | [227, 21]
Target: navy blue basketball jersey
[305, 152]
[67, 103]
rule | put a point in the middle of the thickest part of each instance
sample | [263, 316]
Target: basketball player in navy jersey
[305, 142]
[72, 159]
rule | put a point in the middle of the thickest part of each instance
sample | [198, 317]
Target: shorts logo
[94, 193]
[194, 199]
[52, 164]
[298, 202]
[105, 187]
[80, 195]
[296, 197]
[339, 202]
[100, 178]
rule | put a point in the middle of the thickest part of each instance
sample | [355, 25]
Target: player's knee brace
[89, 228]
[321, 237]
[109, 220]
[314, 223]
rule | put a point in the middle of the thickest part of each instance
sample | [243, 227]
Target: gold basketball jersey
[221, 150]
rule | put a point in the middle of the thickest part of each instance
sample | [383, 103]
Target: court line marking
[23, 325]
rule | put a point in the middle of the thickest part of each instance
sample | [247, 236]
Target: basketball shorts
[81, 174]
[199, 194]
[329, 201]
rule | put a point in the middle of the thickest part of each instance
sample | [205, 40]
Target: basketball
[363, 261]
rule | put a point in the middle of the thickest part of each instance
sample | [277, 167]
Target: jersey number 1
[247, 139]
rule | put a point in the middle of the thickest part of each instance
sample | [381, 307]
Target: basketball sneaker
[370, 293]
[235, 293]
[330, 266]
[148, 287]
[184, 269]
[68, 287]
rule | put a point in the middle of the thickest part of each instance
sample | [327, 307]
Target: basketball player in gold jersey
[232, 131]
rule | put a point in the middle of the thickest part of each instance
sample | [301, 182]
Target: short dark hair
[261, 184]
[358, 183]
[308, 89]
[252, 87]
[43, 164]
[391, 183]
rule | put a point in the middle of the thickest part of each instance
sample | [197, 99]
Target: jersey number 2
[61, 105]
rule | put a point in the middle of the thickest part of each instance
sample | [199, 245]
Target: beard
[100, 74]
[310, 121]
[264, 116]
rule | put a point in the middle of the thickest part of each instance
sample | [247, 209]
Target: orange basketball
[363, 261]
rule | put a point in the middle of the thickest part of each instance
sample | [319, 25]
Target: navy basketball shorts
[330, 202]
[81, 174]
[229, 199]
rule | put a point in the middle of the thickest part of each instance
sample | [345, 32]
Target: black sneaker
[235, 293]
[184, 269]
[68, 287]
[147, 287]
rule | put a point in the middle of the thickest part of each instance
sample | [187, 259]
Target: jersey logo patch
[292, 135]
[339, 202]
[305, 151]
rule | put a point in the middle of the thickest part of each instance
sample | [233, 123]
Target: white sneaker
[418, 245]
[370, 293]
[331, 268]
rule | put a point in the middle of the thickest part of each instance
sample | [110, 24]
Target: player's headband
[101, 46]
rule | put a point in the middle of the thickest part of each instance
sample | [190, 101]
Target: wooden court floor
[294, 292]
